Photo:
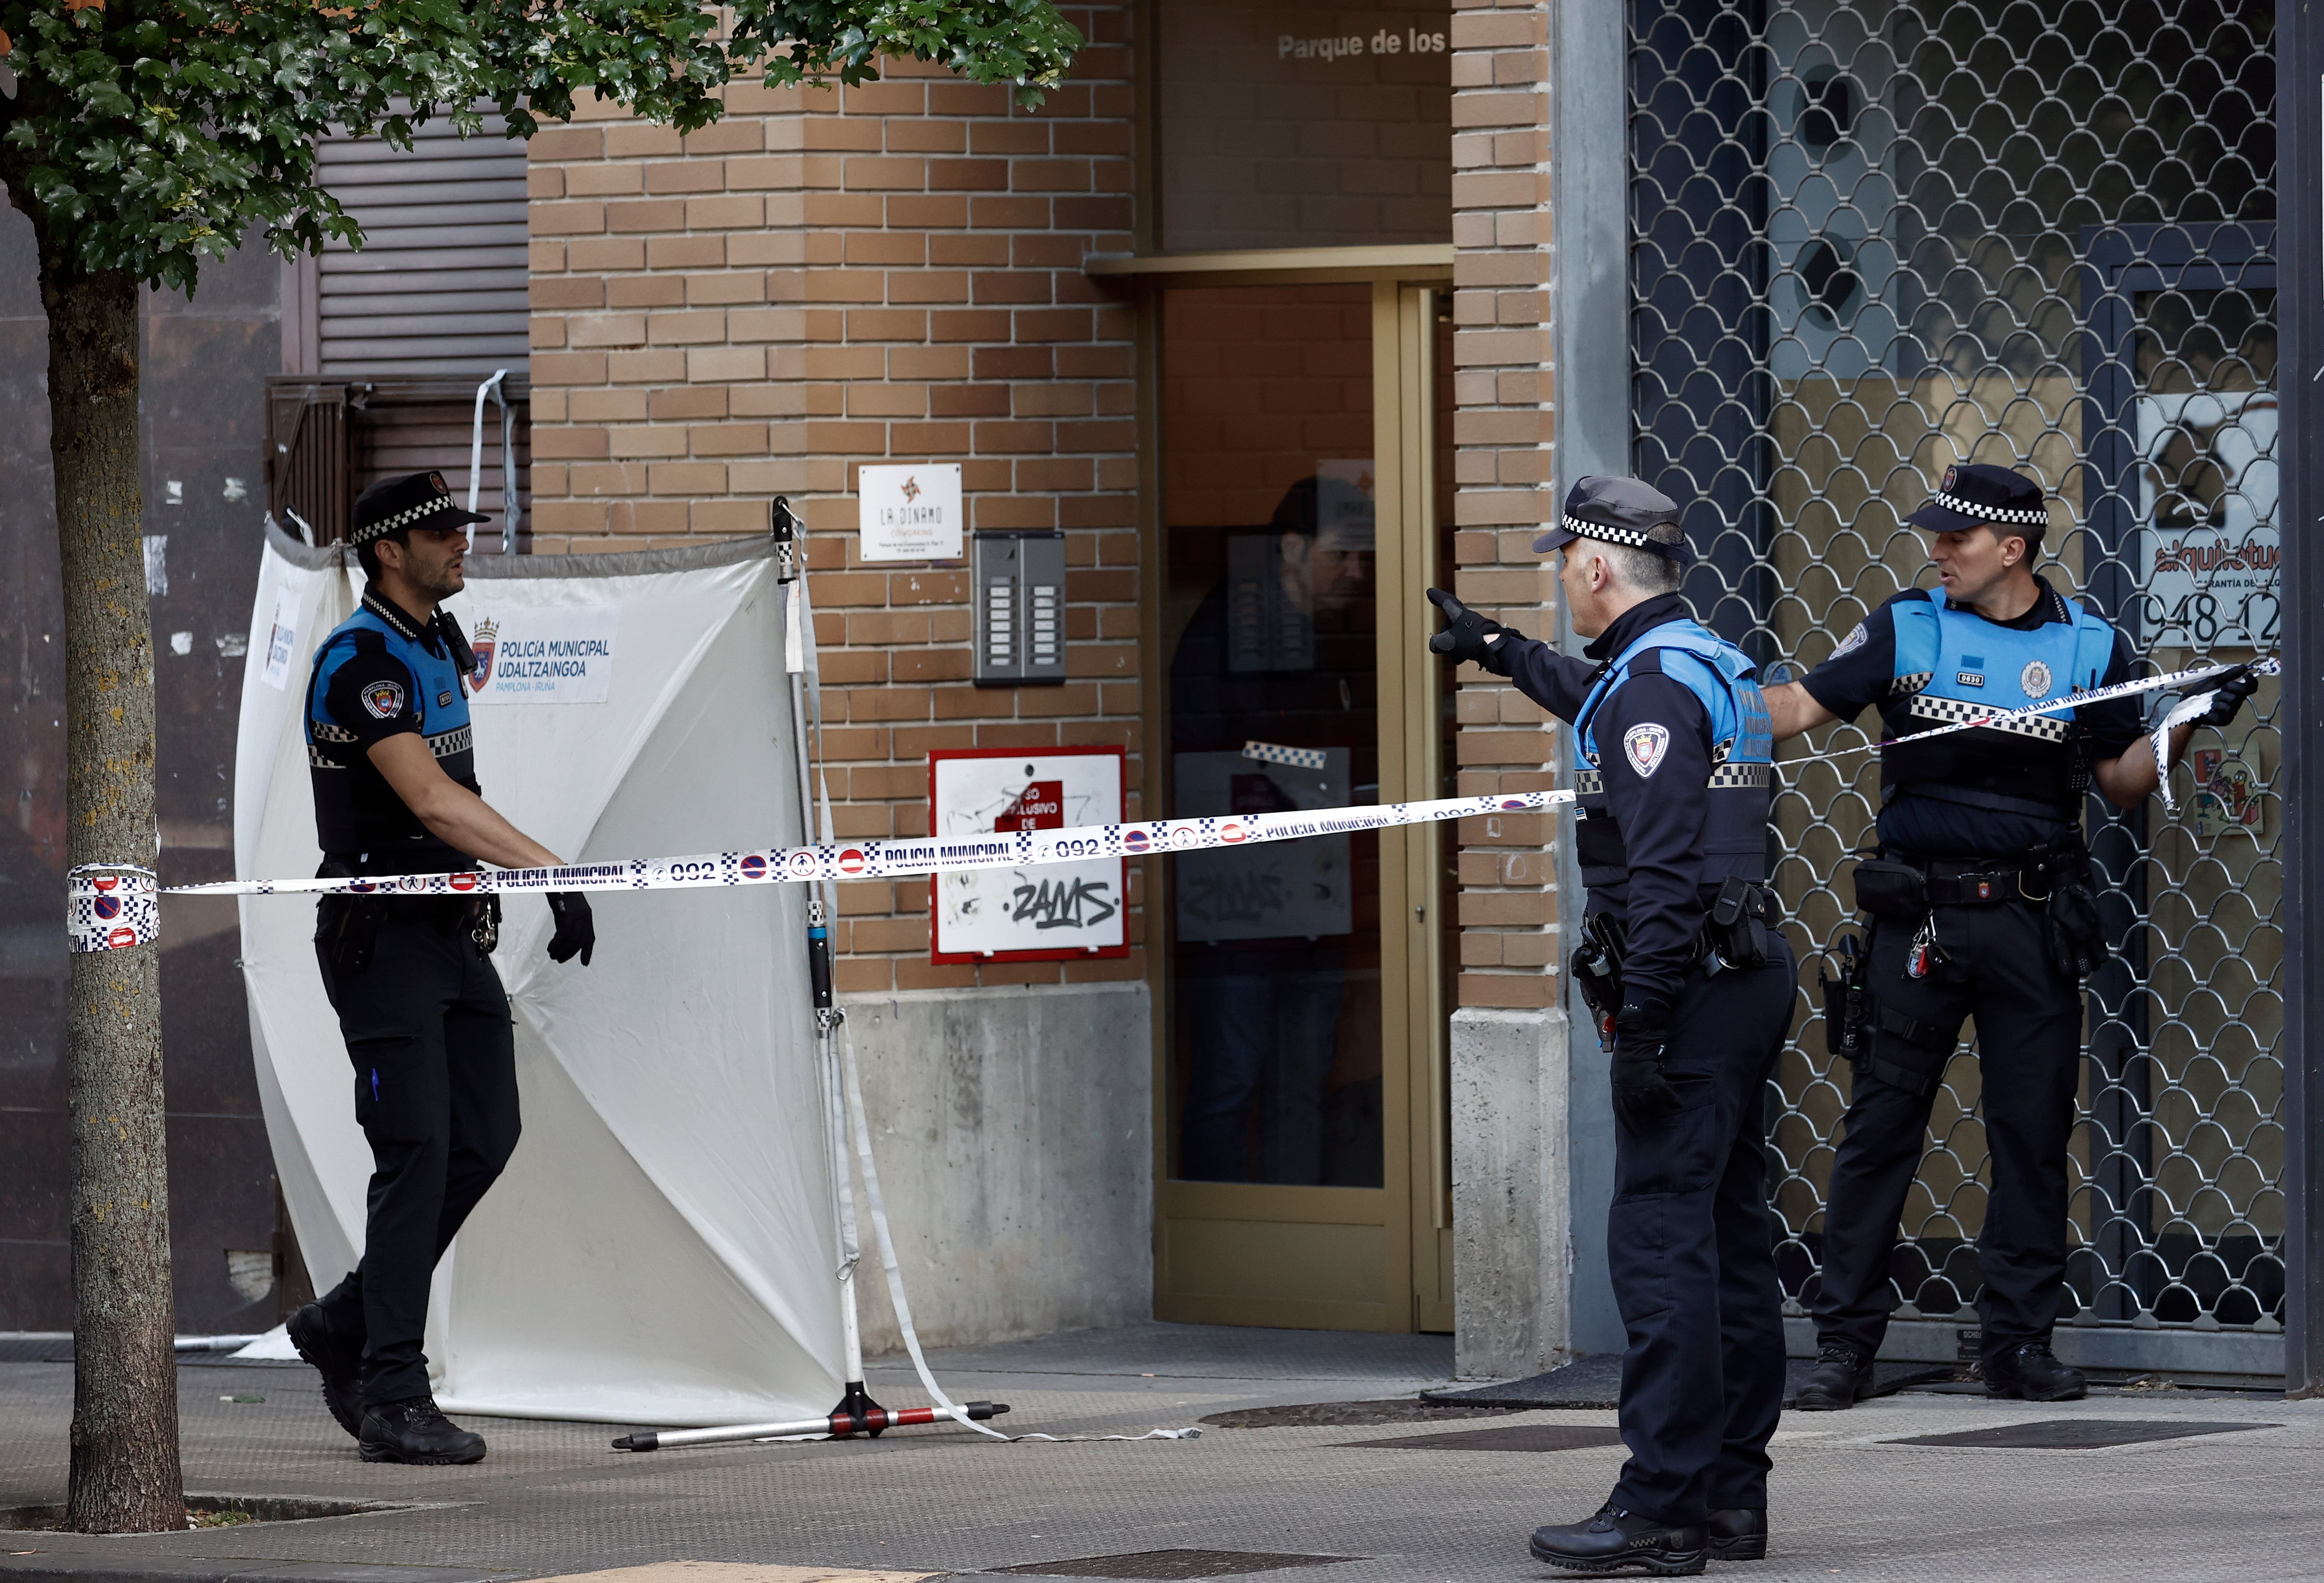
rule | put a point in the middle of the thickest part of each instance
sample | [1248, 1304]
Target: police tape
[2071, 700]
[112, 907]
[115, 906]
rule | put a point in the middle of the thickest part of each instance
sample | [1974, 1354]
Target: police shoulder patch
[1644, 747]
[384, 699]
[1853, 642]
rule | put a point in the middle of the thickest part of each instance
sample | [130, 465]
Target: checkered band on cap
[1991, 514]
[405, 518]
[1631, 536]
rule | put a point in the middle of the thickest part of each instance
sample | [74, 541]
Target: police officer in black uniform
[425, 1019]
[1982, 905]
[1688, 974]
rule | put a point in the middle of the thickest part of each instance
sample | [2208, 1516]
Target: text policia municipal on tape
[113, 906]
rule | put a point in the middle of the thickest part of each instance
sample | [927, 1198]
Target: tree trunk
[125, 1473]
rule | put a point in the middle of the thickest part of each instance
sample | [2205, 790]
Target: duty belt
[1966, 885]
[1738, 931]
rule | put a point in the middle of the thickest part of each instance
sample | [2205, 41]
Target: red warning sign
[1041, 806]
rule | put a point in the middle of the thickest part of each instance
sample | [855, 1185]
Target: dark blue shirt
[1659, 813]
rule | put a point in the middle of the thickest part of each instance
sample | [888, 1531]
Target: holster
[1596, 967]
[346, 927]
[2071, 931]
[1846, 999]
[1737, 931]
[1919, 1066]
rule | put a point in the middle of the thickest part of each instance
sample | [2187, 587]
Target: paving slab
[1850, 1497]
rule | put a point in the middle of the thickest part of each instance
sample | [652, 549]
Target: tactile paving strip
[1513, 1436]
[1175, 1564]
[2077, 1434]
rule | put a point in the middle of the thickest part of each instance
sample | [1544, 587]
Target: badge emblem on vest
[384, 699]
[2034, 679]
[487, 639]
[1646, 745]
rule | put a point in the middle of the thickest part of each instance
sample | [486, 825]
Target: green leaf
[149, 135]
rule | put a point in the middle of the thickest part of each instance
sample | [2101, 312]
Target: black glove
[1643, 1095]
[2235, 689]
[1465, 632]
[576, 931]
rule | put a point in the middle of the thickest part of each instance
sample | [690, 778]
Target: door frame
[1412, 694]
[1411, 1214]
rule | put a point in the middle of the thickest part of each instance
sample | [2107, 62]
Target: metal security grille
[1868, 241]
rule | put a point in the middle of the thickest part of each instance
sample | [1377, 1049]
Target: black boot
[1841, 1378]
[1615, 1539]
[337, 1362]
[2032, 1371]
[1739, 1534]
[414, 1432]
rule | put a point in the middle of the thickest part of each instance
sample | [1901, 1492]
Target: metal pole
[2300, 301]
[837, 1425]
[854, 1402]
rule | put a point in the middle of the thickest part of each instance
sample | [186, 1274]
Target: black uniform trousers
[2029, 1028]
[428, 1029]
[1691, 1250]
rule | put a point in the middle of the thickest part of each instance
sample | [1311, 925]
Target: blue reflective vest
[1740, 792]
[1954, 665]
[358, 817]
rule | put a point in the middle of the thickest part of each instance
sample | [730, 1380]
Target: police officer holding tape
[425, 1019]
[1692, 981]
[1982, 905]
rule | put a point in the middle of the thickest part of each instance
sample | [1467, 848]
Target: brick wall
[894, 273]
[1502, 433]
[826, 277]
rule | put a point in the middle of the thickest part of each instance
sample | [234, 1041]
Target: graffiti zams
[1079, 903]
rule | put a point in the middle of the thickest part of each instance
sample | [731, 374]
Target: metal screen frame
[1738, 227]
[2300, 102]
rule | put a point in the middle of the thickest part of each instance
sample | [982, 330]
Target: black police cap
[1620, 511]
[1979, 492]
[416, 500]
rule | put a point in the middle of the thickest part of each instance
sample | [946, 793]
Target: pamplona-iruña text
[1386, 42]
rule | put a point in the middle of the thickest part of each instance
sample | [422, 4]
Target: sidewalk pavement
[2232, 1495]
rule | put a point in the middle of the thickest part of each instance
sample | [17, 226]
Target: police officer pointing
[1684, 966]
[1982, 906]
[425, 1019]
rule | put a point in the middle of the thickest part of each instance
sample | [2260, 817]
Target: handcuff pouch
[1888, 889]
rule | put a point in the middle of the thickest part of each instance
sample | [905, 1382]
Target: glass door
[1289, 1026]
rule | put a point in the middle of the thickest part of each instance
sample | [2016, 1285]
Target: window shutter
[439, 284]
